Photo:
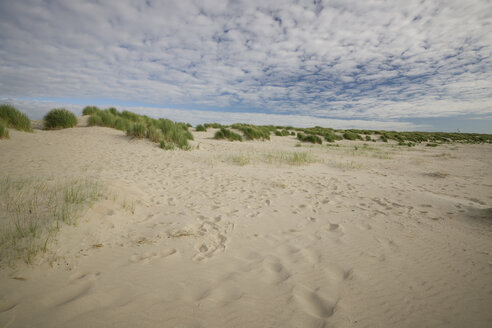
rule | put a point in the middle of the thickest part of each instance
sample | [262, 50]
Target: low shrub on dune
[309, 138]
[138, 130]
[59, 118]
[13, 118]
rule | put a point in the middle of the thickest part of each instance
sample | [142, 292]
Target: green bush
[122, 124]
[59, 118]
[14, 119]
[224, 133]
[282, 133]
[4, 132]
[89, 110]
[200, 128]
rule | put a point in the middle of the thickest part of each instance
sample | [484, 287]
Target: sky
[372, 64]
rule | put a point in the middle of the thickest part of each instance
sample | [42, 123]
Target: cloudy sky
[423, 65]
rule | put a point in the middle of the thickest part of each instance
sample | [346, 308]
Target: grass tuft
[32, 211]
[59, 118]
[224, 133]
[200, 128]
[13, 118]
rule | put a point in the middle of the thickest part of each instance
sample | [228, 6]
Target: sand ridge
[369, 237]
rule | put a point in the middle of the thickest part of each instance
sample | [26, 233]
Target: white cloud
[332, 59]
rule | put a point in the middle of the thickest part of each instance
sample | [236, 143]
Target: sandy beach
[237, 234]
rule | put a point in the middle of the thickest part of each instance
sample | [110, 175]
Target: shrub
[384, 139]
[4, 132]
[368, 138]
[200, 127]
[14, 119]
[89, 110]
[224, 133]
[59, 118]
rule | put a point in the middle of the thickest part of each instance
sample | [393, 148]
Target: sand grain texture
[228, 236]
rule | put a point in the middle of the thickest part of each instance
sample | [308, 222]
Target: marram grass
[33, 210]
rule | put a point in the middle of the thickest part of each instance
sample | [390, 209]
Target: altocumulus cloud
[367, 61]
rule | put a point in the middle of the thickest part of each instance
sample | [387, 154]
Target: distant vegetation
[168, 134]
[200, 128]
[59, 118]
[252, 132]
[13, 118]
[225, 133]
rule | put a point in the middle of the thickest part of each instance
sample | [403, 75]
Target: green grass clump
[349, 135]
[224, 133]
[169, 134]
[137, 130]
[200, 128]
[32, 211]
[89, 110]
[309, 138]
[13, 118]
[252, 132]
[332, 137]
[282, 133]
[59, 118]
[212, 125]
[4, 132]
[431, 145]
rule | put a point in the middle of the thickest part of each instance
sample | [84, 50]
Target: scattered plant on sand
[32, 211]
[350, 135]
[138, 130]
[59, 118]
[13, 118]
[200, 128]
[213, 125]
[224, 133]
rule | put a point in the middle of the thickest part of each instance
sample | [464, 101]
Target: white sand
[358, 239]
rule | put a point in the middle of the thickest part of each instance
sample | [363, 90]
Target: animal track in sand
[313, 304]
[147, 257]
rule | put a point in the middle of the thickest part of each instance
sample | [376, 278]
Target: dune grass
[312, 138]
[13, 118]
[89, 110]
[59, 118]
[200, 128]
[4, 132]
[252, 132]
[170, 135]
[273, 158]
[33, 210]
[225, 133]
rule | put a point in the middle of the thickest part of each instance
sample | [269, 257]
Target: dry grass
[32, 211]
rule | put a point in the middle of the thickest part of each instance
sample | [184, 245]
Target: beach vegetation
[33, 210]
[89, 110]
[252, 132]
[59, 118]
[309, 138]
[225, 133]
[200, 128]
[13, 118]
[4, 132]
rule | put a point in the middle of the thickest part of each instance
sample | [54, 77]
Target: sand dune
[232, 235]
